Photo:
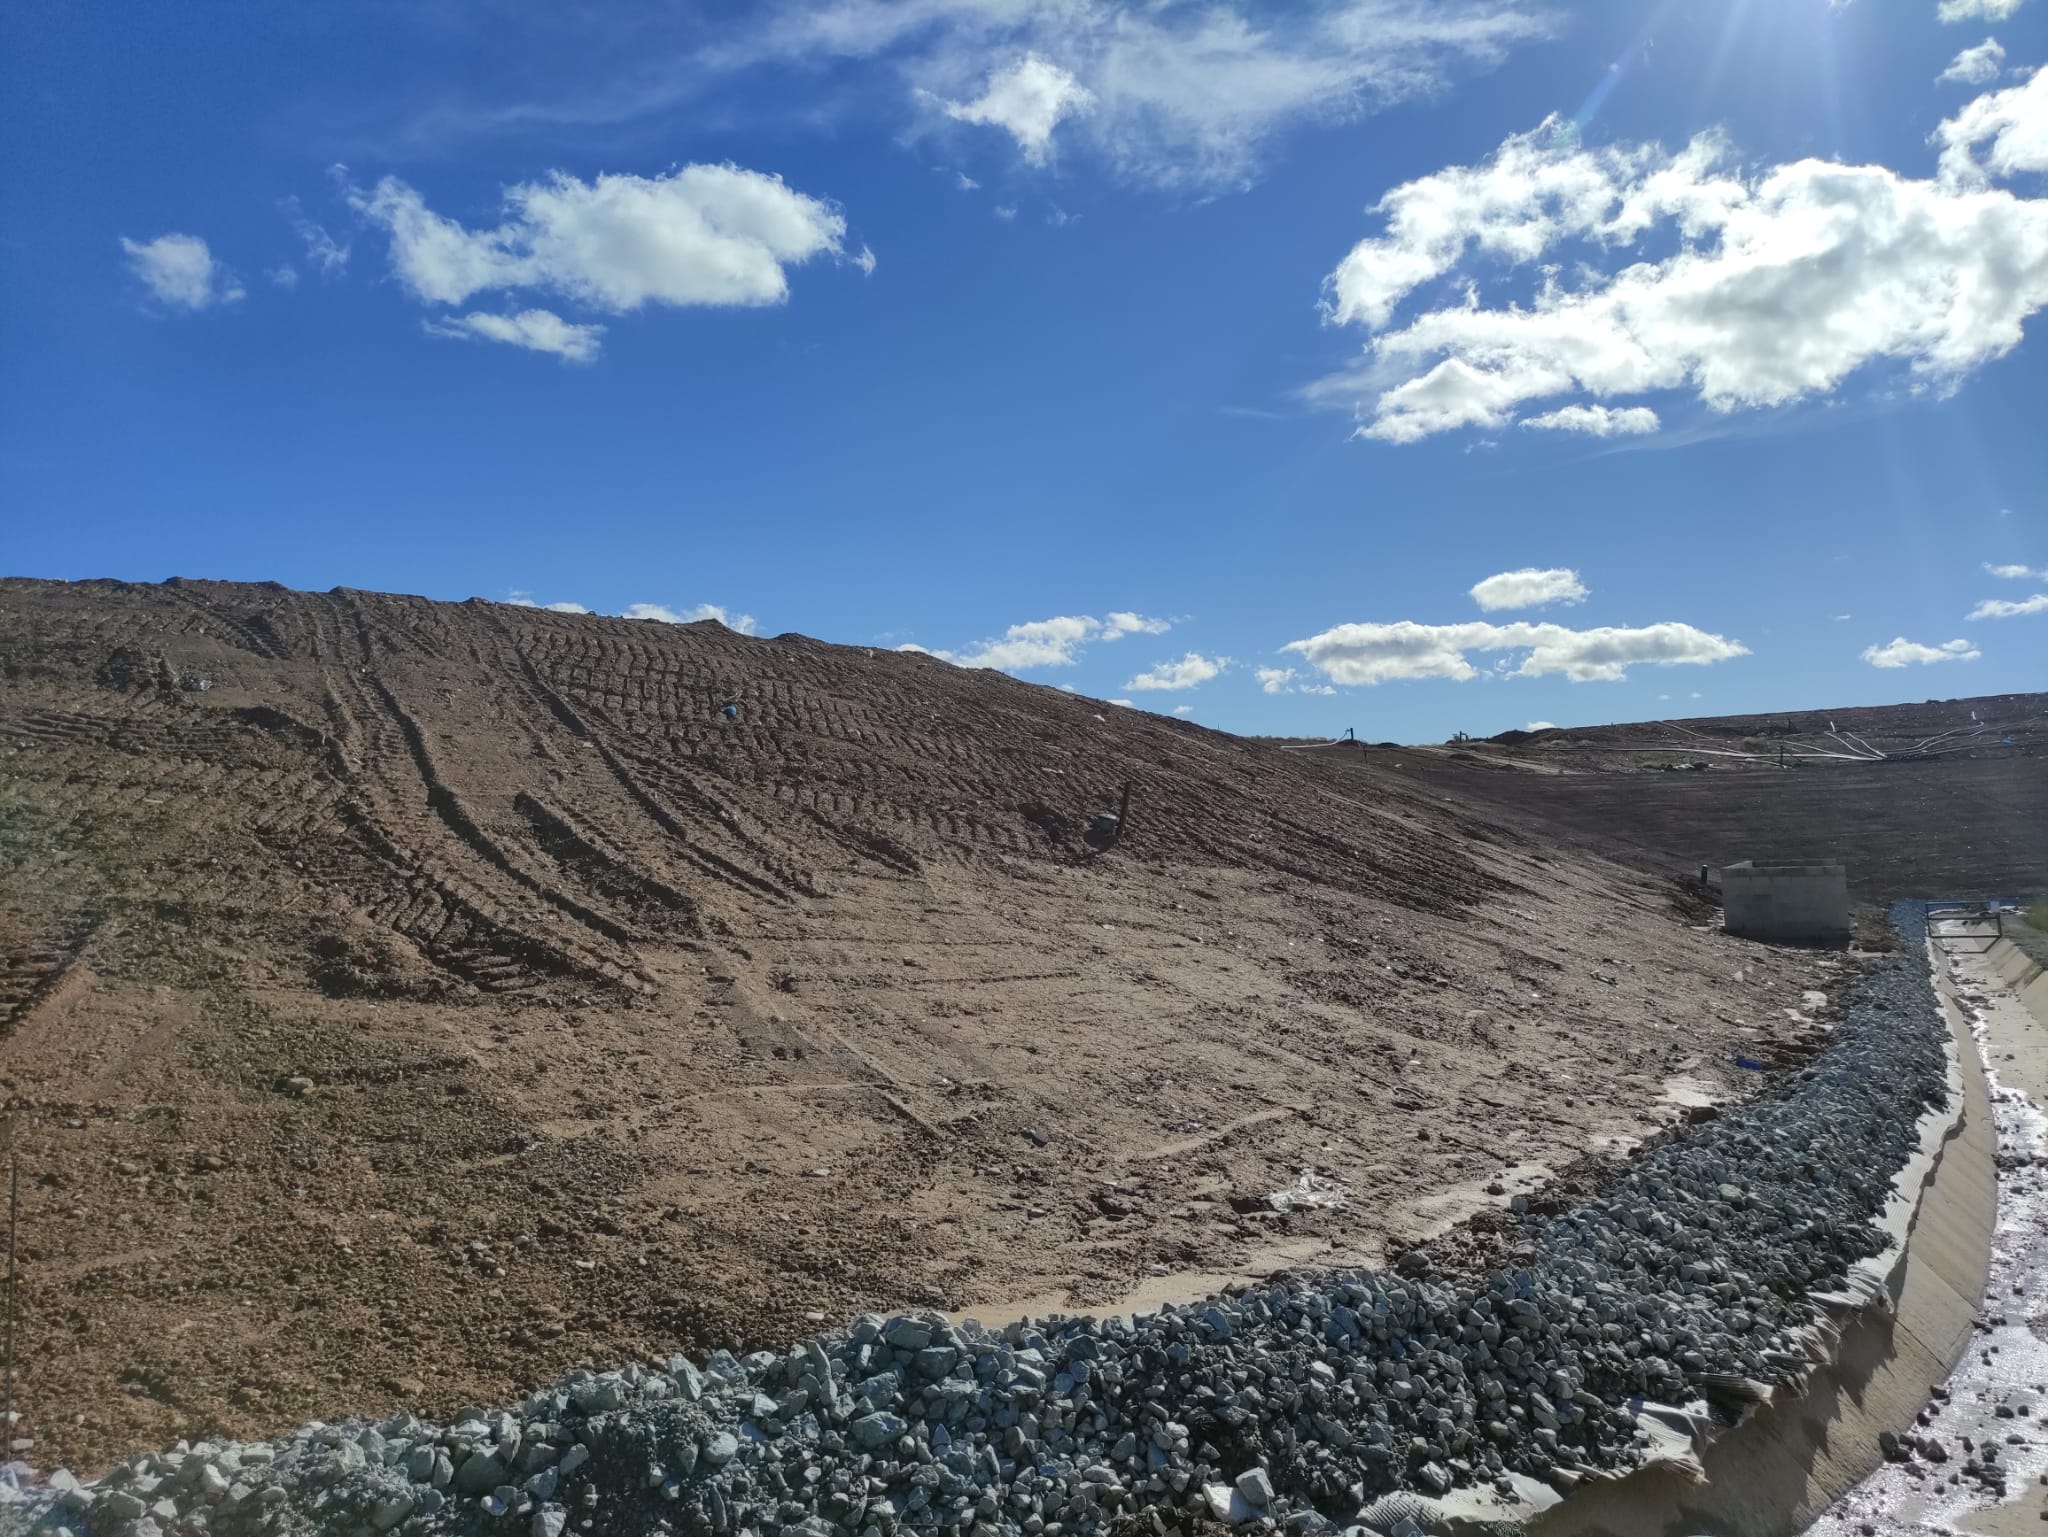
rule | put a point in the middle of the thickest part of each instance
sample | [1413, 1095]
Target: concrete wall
[2023, 974]
[1804, 903]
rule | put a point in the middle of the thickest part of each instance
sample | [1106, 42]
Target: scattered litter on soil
[1310, 1192]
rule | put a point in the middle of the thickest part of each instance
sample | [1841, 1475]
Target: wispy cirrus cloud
[535, 330]
[324, 254]
[1183, 94]
[1194, 93]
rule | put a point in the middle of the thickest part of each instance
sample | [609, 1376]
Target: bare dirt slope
[403, 1001]
[1969, 820]
[1984, 728]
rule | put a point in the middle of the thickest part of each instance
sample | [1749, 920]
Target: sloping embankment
[1715, 1276]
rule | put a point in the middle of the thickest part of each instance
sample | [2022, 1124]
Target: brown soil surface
[1972, 824]
[405, 1002]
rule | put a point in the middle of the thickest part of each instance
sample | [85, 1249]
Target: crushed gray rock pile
[1314, 1402]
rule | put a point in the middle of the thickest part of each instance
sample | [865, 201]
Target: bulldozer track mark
[582, 849]
[636, 787]
[867, 843]
[461, 931]
[238, 631]
[710, 862]
[446, 804]
[37, 976]
[456, 924]
[1182, 1146]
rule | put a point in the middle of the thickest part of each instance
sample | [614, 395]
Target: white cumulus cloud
[526, 600]
[1977, 10]
[1055, 642]
[699, 235]
[1530, 587]
[1190, 671]
[1285, 680]
[180, 271]
[1596, 421]
[1540, 725]
[1901, 652]
[2017, 573]
[1745, 289]
[2011, 125]
[1975, 66]
[2000, 608]
[1027, 101]
[1120, 623]
[536, 330]
[1358, 654]
[742, 624]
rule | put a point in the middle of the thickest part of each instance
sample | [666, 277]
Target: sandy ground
[405, 1002]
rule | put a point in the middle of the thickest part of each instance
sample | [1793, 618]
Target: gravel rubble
[1316, 1402]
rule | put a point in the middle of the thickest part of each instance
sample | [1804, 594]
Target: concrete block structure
[1793, 903]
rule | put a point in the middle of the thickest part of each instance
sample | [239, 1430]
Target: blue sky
[1203, 358]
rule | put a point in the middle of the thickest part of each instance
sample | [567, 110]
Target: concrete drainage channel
[1717, 1277]
[1976, 1457]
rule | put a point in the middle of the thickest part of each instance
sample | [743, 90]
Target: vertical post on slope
[13, 1214]
[1123, 812]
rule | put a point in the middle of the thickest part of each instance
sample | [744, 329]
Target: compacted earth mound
[1942, 799]
[403, 1003]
